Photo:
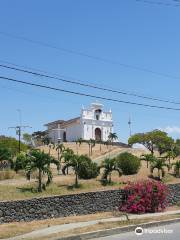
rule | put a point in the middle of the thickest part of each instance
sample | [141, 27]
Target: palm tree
[109, 165]
[72, 160]
[91, 143]
[176, 168]
[100, 143]
[170, 154]
[159, 164]
[112, 137]
[50, 146]
[78, 143]
[40, 161]
[67, 155]
[59, 148]
[148, 158]
[107, 143]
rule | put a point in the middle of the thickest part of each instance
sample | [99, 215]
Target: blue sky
[126, 31]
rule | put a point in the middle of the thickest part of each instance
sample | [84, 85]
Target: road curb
[114, 231]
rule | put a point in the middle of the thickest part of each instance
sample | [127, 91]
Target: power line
[159, 3]
[87, 85]
[82, 54]
[86, 95]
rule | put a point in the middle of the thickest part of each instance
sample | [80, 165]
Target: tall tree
[151, 140]
[27, 138]
[38, 137]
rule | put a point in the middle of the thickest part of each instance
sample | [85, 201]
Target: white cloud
[171, 129]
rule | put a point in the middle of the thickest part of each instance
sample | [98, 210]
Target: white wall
[73, 133]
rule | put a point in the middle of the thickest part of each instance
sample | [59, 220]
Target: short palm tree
[149, 158]
[78, 144]
[109, 165]
[50, 146]
[72, 160]
[67, 155]
[40, 161]
[170, 155]
[91, 143]
[159, 164]
[176, 168]
[59, 148]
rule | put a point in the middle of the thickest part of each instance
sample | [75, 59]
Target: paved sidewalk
[65, 227]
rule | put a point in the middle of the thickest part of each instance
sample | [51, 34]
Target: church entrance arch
[98, 134]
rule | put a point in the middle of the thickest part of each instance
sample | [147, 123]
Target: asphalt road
[174, 234]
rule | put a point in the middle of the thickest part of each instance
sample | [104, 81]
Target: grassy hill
[99, 152]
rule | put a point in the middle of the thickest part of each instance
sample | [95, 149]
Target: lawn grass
[20, 188]
[29, 190]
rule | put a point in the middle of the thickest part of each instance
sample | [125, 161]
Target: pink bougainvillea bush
[145, 197]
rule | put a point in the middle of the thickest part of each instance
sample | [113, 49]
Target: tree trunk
[40, 181]
[89, 151]
[77, 149]
[110, 177]
[76, 180]
[147, 164]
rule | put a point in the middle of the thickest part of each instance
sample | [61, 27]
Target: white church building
[93, 123]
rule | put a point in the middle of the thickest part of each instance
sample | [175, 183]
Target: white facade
[93, 123]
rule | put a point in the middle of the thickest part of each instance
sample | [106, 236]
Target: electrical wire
[85, 94]
[88, 85]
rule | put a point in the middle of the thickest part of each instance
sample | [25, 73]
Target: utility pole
[19, 133]
[19, 129]
[129, 123]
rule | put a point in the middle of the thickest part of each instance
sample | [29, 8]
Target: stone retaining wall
[61, 206]
[174, 193]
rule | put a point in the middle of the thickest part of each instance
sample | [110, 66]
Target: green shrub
[12, 144]
[20, 162]
[128, 163]
[87, 168]
[5, 156]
